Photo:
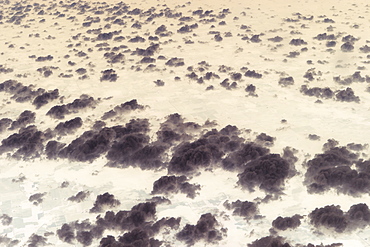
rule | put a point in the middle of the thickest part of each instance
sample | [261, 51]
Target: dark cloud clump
[79, 197]
[8, 242]
[25, 118]
[334, 169]
[6, 219]
[347, 95]
[297, 42]
[138, 217]
[4, 124]
[36, 241]
[325, 93]
[104, 200]
[45, 98]
[123, 108]
[43, 59]
[206, 229]
[20, 93]
[66, 233]
[28, 143]
[37, 198]
[347, 47]
[247, 210]
[172, 184]
[175, 62]
[286, 81]
[246, 152]
[270, 241]
[276, 39]
[68, 127]
[204, 152]
[314, 137]
[331, 217]
[284, 223]
[252, 74]
[59, 111]
[109, 75]
[268, 173]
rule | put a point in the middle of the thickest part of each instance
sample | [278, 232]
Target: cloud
[79, 197]
[247, 210]
[284, 223]
[175, 184]
[6, 219]
[103, 201]
[68, 127]
[268, 173]
[207, 229]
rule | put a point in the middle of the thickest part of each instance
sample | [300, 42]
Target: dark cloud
[68, 127]
[103, 201]
[159, 83]
[138, 217]
[43, 59]
[247, 210]
[173, 184]
[113, 57]
[347, 47]
[123, 108]
[175, 62]
[206, 229]
[252, 74]
[264, 138]
[28, 143]
[268, 173]
[137, 39]
[276, 39]
[347, 95]
[331, 217]
[325, 93]
[6, 219]
[23, 120]
[80, 196]
[37, 198]
[8, 242]
[66, 233]
[45, 98]
[84, 237]
[314, 137]
[204, 152]
[244, 153]
[325, 36]
[286, 81]
[334, 169]
[36, 241]
[4, 124]
[19, 92]
[297, 42]
[284, 223]
[269, 241]
[59, 111]
[138, 237]
[365, 49]
[109, 75]
[53, 148]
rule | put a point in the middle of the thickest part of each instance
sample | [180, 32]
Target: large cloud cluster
[207, 229]
[338, 168]
[333, 218]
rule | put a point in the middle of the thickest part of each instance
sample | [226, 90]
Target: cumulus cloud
[267, 173]
[103, 201]
[175, 184]
[207, 229]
